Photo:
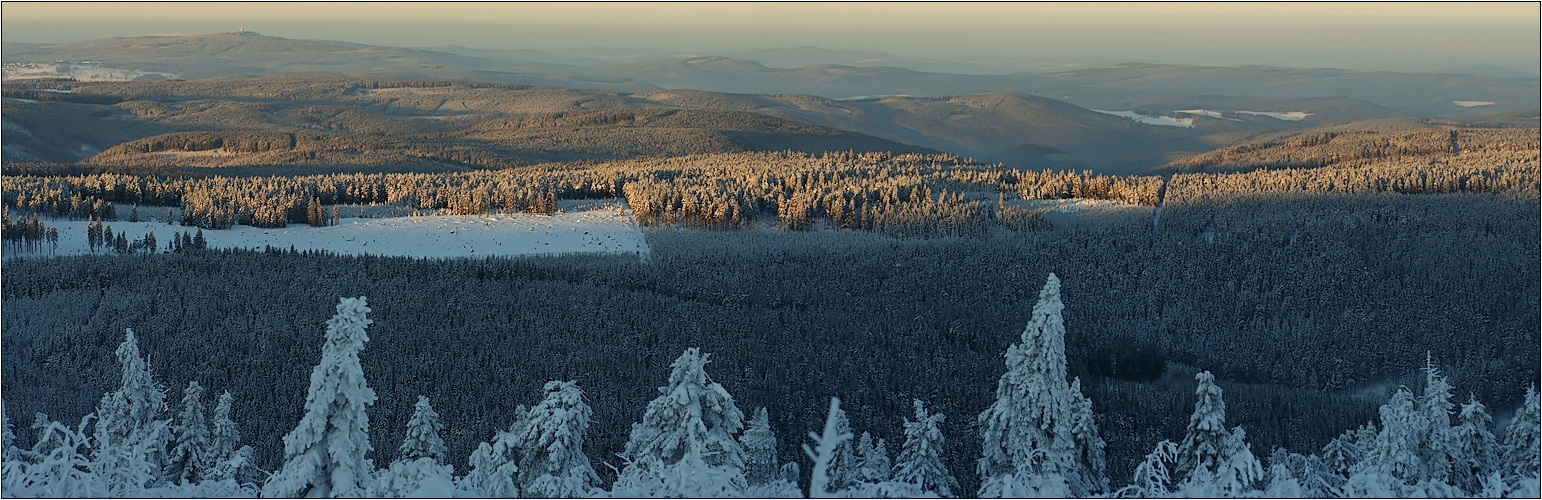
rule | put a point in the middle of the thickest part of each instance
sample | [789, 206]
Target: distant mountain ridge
[1124, 86]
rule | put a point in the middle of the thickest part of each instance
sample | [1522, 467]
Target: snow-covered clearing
[82, 71]
[1165, 121]
[1472, 104]
[1205, 112]
[597, 228]
[1290, 116]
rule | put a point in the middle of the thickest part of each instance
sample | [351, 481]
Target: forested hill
[367, 121]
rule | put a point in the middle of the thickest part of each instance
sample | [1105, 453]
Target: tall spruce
[552, 460]
[920, 459]
[191, 455]
[423, 429]
[1036, 436]
[760, 461]
[131, 429]
[326, 454]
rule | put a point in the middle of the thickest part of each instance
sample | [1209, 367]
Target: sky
[1373, 35]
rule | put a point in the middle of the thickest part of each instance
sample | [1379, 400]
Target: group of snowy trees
[130, 447]
[1040, 438]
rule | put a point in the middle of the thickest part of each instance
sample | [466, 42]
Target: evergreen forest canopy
[1039, 439]
[1313, 275]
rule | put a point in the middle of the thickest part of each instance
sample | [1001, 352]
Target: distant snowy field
[1472, 104]
[1165, 121]
[598, 228]
[1290, 116]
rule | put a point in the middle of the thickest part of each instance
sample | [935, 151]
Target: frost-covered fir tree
[1402, 462]
[760, 463]
[420, 472]
[920, 459]
[190, 456]
[1039, 437]
[552, 460]
[132, 430]
[325, 455]
[1520, 450]
[231, 460]
[1343, 454]
[873, 464]
[10, 456]
[1476, 452]
[494, 466]
[423, 428]
[685, 444]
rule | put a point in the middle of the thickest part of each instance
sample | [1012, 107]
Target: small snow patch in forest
[1290, 116]
[1165, 121]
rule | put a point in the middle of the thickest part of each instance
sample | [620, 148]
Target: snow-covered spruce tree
[325, 455]
[1439, 450]
[423, 428]
[10, 456]
[760, 463]
[190, 454]
[1039, 437]
[685, 444]
[1211, 459]
[1342, 455]
[843, 469]
[1293, 475]
[1476, 452]
[1521, 447]
[231, 460]
[552, 461]
[1400, 464]
[131, 430]
[872, 465]
[420, 471]
[920, 459]
[494, 466]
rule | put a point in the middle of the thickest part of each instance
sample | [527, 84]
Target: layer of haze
[1373, 36]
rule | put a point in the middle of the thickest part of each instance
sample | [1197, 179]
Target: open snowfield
[1290, 116]
[1165, 121]
[79, 71]
[601, 228]
[1472, 104]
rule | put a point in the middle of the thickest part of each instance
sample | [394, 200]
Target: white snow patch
[1206, 112]
[606, 228]
[1165, 121]
[1472, 104]
[869, 97]
[1290, 116]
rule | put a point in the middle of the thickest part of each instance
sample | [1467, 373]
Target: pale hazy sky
[1399, 36]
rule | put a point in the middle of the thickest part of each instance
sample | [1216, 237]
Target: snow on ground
[1472, 104]
[1165, 121]
[1206, 112]
[85, 72]
[1290, 116]
[599, 228]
